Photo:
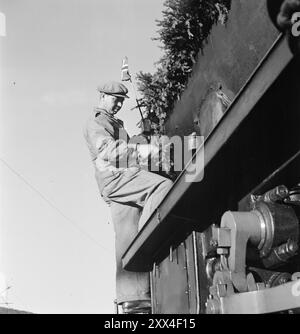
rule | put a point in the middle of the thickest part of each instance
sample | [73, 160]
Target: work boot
[137, 307]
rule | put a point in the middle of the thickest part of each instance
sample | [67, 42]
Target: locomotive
[230, 243]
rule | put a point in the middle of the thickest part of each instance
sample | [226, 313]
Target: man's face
[113, 103]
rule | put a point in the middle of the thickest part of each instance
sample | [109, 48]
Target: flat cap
[113, 88]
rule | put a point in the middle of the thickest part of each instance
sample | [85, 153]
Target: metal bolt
[282, 191]
[292, 246]
[253, 198]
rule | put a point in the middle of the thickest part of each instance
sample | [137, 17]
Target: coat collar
[100, 111]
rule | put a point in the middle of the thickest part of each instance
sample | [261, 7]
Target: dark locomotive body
[229, 244]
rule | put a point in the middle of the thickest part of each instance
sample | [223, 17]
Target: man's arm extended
[105, 144]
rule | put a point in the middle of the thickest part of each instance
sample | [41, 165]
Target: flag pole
[137, 101]
[125, 76]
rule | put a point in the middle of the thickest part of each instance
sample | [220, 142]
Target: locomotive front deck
[255, 148]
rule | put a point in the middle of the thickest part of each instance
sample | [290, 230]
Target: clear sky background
[56, 237]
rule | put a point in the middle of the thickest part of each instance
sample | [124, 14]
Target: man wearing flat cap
[131, 192]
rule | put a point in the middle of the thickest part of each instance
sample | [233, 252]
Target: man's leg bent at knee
[154, 199]
[144, 189]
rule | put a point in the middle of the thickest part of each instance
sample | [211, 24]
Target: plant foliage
[183, 31]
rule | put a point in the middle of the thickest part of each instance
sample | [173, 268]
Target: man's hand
[146, 150]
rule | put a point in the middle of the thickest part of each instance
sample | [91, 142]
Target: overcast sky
[57, 252]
